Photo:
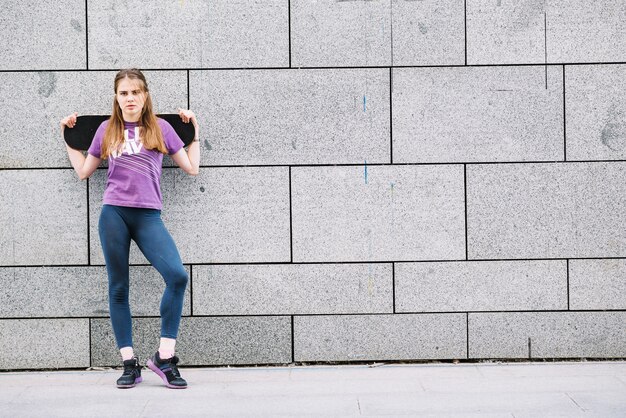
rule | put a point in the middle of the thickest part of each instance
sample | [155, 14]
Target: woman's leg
[115, 240]
[157, 245]
[159, 248]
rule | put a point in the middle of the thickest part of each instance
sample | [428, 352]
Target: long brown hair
[150, 132]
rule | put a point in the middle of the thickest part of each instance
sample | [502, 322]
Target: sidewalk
[566, 389]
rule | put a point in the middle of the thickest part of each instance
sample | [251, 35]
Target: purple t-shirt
[134, 173]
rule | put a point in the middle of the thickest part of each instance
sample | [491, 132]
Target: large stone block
[379, 337]
[428, 32]
[43, 292]
[29, 342]
[293, 116]
[597, 284]
[481, 286]
[34, 122]
[378, 213]
[380, 33]
[595, 112]
[340, 33]
[477, 114]
[223, 215]
[562, 210]
[538, 31]
[183, 34]
[203, 341]
[43, 218]
[583, 31]
[43, 35]
[292, 289]
[547, 335]
[505, 32]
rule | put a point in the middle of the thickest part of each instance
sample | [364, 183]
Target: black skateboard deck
[80, 136]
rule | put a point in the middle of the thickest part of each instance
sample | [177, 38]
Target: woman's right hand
[69, 121]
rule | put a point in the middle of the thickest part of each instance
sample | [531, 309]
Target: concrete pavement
[563, 389]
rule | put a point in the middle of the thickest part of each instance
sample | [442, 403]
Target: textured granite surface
[557, 210]
[481, 286]
[583, 31]
[46, 35]
[429, 32]
[44, 343]
[356, 175]
[376, 33]
[203, 340]
[597, 284]
[378, 213]
[477, 114]
[222, 215]
[536, 31]
[293, 116]
[340, 33]
[180, 34]
[504, 32]
[379, 337]
[547, 335]
[43, 218]
[76, 292]
[595, 112]
[292, 289]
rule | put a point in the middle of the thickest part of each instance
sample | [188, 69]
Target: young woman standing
[134, 141]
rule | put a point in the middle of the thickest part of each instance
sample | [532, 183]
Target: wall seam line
[290, 220]
[423, 164]
[293, 351]
[86, 38]
[393, 285]
[90, 349]
[191, 290]
[88, 228]
[568, 289]
[338, 314]
[465, 201]
[467, 333]
[564, 120]
[485, 260]
[346, 67]
[289, 25]
[390, 115]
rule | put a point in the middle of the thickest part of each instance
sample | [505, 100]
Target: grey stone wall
[380, 180]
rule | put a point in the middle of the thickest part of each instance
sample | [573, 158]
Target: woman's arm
[189, 161]
[84, 167]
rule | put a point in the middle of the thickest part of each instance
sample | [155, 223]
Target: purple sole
[158, 371]
[138, 380]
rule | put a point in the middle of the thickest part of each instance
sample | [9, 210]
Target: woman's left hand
[187, 115]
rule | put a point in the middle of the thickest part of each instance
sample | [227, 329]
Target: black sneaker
[168, 371]
[131, 375]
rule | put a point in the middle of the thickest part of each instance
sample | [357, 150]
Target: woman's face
[130, 97]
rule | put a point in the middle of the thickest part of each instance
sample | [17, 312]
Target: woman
[134, 141]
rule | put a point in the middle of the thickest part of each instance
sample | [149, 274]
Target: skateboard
[80, 136]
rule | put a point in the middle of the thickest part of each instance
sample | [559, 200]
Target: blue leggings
[117, 226]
